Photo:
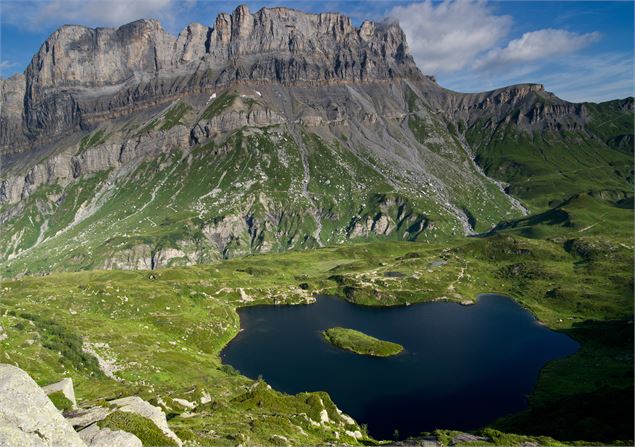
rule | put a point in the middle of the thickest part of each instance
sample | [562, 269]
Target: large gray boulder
[84, 417]
[27, 417]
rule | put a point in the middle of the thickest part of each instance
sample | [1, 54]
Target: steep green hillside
[542, 166]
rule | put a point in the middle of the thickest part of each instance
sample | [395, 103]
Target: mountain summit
[133, 148]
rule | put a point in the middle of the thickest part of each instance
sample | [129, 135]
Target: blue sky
[582, 51]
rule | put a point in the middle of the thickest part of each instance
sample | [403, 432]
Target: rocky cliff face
[82, 75]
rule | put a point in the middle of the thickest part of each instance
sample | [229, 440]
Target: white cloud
[593, 78]
[536, 46]
[103, 12]
[6, 64]
[448, 36]
[7, 68]
[575, 78]
[34, 14]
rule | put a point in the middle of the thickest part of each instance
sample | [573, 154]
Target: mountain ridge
[145, 62]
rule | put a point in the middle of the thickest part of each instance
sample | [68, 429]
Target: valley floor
[158, 334]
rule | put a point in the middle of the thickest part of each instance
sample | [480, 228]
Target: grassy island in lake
[360, 343]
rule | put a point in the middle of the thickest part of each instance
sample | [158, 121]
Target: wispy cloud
[33, 14]
[575, 78]
[448, 36]
[593, 78]
[533, 46]
[5, 66]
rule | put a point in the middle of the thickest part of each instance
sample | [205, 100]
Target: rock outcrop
[86, 421]
[27, 417]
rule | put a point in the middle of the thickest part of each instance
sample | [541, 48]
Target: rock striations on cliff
[83, 74]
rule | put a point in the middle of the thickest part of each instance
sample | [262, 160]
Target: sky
[580, 50]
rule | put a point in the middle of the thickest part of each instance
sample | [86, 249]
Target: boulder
[104, 437]
[27, 417]
[84, 418]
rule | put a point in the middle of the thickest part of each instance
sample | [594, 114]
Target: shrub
[58, 338]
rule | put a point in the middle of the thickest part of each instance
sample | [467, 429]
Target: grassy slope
[148, 433]
[574, 281]
[360, 343]
[547, 166]
[477, 196]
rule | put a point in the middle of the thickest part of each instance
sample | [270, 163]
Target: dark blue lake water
[463, 366]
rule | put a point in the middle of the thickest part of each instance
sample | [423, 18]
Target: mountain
[133, 148]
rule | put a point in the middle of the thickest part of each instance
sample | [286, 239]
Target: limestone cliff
[82, 75]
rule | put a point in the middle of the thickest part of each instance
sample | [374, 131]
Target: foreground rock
[27, 417]
[104, 437]
[88, 421]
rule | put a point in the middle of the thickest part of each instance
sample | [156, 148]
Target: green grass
[62, 340]
[60, 401]
[550, 166]
[491, 437]
[143, 428]
[93, 139]
[360, 343]
[174, 115]
[218, 105]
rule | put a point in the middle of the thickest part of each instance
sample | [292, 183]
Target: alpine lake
[462, 366]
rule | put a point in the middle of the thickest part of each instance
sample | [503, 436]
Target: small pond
[463, 366]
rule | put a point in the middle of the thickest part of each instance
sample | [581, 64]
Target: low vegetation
[143, 428]
[174, 115]
[92, 139]
[219, 104]
[360, 343]
[60, 401]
